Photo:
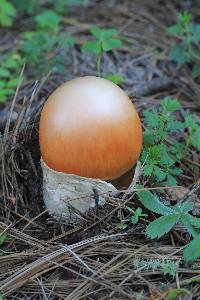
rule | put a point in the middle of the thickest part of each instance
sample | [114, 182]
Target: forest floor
[43, 259]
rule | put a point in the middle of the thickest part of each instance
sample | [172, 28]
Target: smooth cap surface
[89, 127]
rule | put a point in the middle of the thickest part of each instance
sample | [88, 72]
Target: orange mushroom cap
[89, 127]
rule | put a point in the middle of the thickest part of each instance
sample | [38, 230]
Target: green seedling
[136, 214]
[170, 217]
[9, 73]
[39, 47]
[104, 40]
[160, 124]
[7, 13]
[48, 21]
[187, 50]
[134, 218]
[159, 158]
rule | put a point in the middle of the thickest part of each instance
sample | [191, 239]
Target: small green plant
[9, 75]
[192, 251]
[159, 158]
[105, 40]
[188, 49]
[170, 217]
[48, 21]
[39, 47]
[7, 13]
[160, 123]
[136, 214]
[168, 267]
[134, 218]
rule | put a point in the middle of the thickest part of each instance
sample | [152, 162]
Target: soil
[45, 259]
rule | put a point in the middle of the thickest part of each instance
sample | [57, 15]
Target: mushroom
[89, 132]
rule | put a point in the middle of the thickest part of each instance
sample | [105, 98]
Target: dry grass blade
[38, 266]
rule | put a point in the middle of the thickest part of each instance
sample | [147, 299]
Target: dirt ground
[94, 260]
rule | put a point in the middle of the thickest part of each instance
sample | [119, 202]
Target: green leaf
[65, 41]
[156, 151]
[97, 32]
[115, 78]
[161, 225]
[136, 215]
[159, 173]
[2, 84]
[177, 149]
[5, 92]
[151, 202]
[111, 44]
[48, 20]
[2, 238]
[92, 47]
[176, 171]
[10, 63]
[175, 29]
[194, 221]
[190, 122]
[192, 251]
[165, 158]
[190, 228]
[148, 169]
[148, 137]
[175, 293]
[170, 105]
[151, 118]
[178, 54]
[2, 98]
[134, 219]
[171, 180]
[12, 83]
[109, 33]
[4, 73]
[185, 207]
[174, 126]
[7, 13]
[185, 17]
[169, 268]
